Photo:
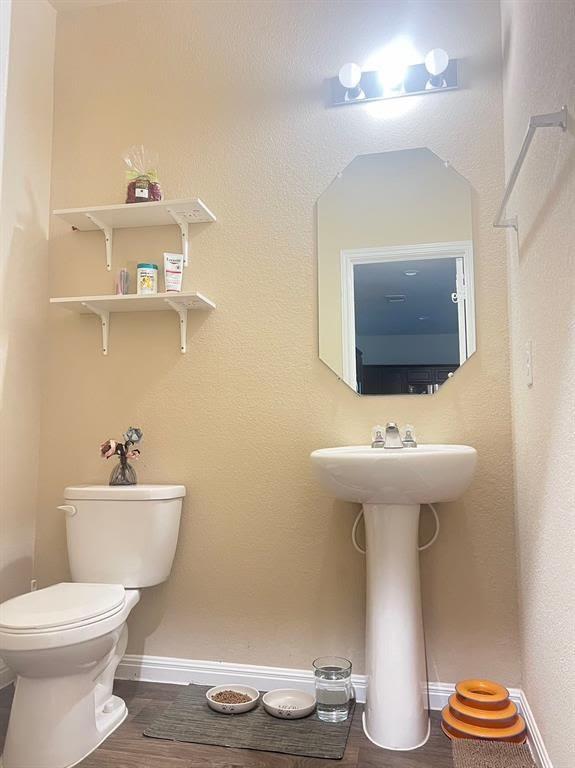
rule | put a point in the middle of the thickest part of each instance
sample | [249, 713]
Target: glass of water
[333, 689]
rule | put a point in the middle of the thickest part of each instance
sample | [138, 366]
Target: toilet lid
[61, 605]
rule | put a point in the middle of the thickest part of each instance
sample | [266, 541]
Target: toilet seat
[24, 640]
[61, 607]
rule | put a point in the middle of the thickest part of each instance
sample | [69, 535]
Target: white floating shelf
[103, 306]
[107, 218]
[129, 215]
[133, 302]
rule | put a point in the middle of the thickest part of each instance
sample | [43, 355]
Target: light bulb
[392, 63]
[350, 75]
[392, 74]
[436, 61]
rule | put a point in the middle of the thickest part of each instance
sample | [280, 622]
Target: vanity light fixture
[394, 78]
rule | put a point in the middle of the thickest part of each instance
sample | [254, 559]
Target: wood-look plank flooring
[128, 748]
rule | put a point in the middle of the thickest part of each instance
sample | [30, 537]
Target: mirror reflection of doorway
[407, 319]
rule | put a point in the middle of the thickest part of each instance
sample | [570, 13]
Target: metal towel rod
[551, 120]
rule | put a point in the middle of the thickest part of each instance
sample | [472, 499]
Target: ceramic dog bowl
[288, 703]
[233, 709]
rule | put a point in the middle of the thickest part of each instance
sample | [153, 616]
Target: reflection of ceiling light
[411, 272]
[436, 62]
[423, 317]
[395, 298]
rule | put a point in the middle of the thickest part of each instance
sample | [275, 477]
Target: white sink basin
[391, 484]
[419, 475]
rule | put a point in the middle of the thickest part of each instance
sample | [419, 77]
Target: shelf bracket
[104, 316]
[108, 234]
[183, 315]
[183, 224]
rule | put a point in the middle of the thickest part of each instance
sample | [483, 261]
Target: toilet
[64, 642]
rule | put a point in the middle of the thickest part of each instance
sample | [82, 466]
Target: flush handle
[68, 509]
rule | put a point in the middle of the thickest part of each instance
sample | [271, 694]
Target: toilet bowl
[64, 642]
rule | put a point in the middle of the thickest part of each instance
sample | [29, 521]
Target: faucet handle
[409, 437]
[377, 434]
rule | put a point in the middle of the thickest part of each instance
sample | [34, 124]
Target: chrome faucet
[390, 437]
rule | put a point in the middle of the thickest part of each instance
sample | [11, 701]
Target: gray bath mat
[470, 753]
[190, 719]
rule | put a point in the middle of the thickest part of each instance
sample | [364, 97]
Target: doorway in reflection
[406, 325]
[407, 321]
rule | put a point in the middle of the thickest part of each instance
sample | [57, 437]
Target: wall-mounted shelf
[107, 218]
[104, 306]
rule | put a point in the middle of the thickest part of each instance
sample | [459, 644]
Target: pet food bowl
[288, 703]
[233, 709]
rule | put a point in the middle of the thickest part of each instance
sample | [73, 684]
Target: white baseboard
[6, 675]
[163, 669]
[535, 740]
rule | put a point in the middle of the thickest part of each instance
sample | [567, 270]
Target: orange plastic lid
[484, 694]
[491, 718]
[466, 730]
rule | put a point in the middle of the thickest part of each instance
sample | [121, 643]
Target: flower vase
[123, 474]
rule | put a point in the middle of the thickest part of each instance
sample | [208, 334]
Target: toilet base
[55, 722]
[115, 720]
[70, 742]
[110, 728]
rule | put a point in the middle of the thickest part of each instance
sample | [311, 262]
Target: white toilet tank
[122, 534]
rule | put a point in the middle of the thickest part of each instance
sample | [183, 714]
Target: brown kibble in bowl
[231, 697]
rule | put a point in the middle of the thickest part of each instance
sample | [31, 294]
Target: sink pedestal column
[396, 713]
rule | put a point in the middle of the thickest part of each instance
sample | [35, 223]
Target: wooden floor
[127, 748]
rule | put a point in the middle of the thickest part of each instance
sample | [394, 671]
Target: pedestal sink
[391, 484]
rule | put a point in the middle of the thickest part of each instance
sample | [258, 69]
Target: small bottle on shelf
[147, 279]
[123, 282]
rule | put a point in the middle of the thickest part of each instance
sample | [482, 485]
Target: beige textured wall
[392, 198]
[24, 220]
[231, 95]
[539, 76]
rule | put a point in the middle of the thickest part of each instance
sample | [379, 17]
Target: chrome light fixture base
[417, 81]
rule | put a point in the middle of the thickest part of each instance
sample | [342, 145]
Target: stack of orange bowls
[481, 709]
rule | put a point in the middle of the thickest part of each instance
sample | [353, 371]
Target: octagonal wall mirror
[395, 271]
